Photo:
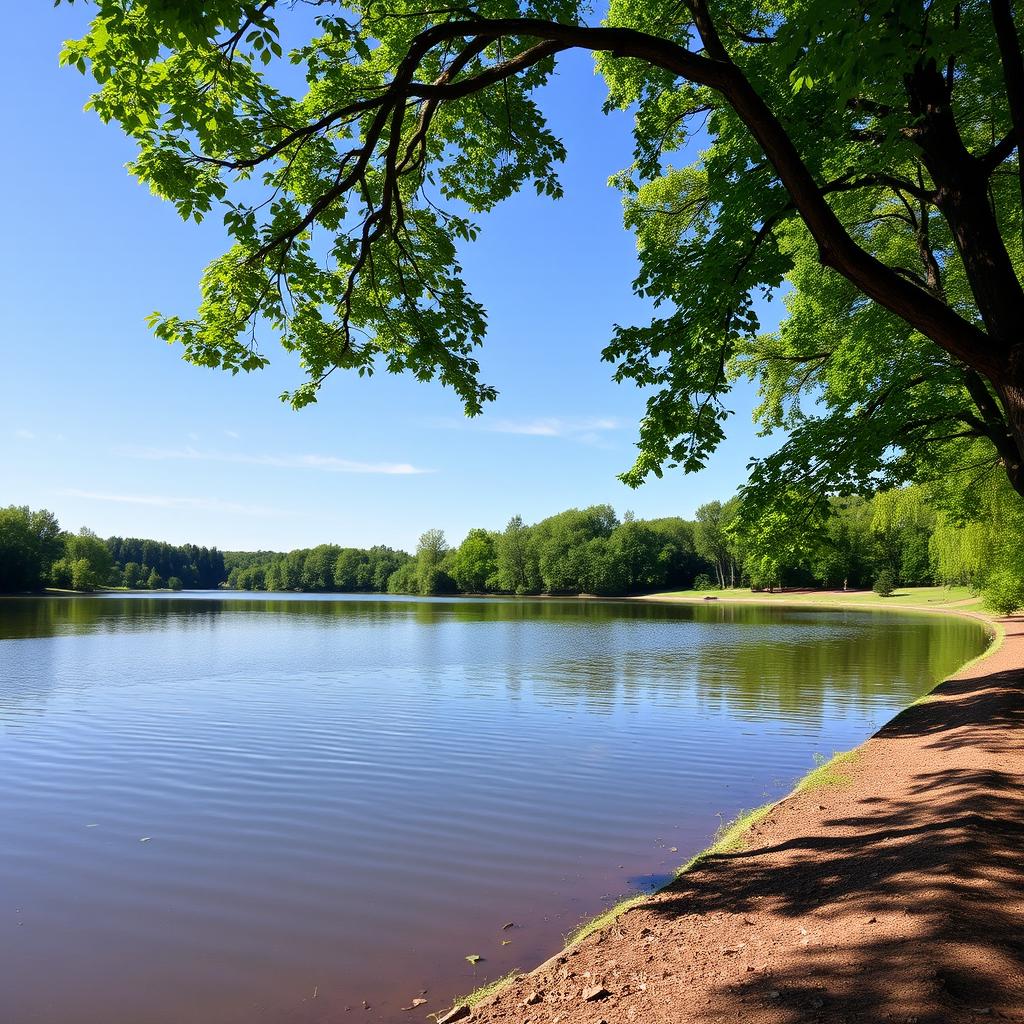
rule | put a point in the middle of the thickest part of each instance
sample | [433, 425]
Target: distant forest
[891, 539]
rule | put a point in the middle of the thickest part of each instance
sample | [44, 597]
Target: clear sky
[106, 426]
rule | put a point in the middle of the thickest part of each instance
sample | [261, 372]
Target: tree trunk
[1012, 399]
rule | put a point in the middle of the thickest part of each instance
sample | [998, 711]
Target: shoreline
[702, 932]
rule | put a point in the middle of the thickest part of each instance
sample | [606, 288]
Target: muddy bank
[893, 894]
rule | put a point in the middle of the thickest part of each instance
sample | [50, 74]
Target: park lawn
[938, 597]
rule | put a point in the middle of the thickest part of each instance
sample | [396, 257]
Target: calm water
[343, 798]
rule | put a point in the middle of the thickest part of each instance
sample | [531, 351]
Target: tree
[85, 546]
[868, 161]
[844, 554]
[318, 568]
[560, 543]
[978, 540]
[174, 583]
[154, 581]
[83, 575]
[30, 542]
[635, 548]
[430, 556]
[517, 571]
[474, 563]
[710, 539]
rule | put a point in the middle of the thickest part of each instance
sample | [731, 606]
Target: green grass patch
[595, 924]
[938, 597]
[828, 773]
[728, 839]
[478, 994]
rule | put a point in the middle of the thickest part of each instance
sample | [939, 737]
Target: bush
[83, 575]
[884, 584]
[1003, 591]
[703, 581]
[174, 583]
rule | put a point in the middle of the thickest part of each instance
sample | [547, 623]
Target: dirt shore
[895, 895]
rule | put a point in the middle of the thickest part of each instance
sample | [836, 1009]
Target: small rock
[418, 1001]
[508, 924]
[872, 920]
[590, 994]
[533, 999]
[454, 1014]
[774, 994]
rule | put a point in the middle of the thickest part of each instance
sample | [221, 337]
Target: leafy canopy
[349, 171]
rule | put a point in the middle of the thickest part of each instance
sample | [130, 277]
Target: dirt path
[897, 896]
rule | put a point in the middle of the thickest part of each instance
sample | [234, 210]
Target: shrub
[884, 584]
[174, 583]
[1003, 591]
[704, 582]
[83, 576]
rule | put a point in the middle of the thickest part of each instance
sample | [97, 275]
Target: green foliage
[1004, 590]
[201, 568]
[517, 571]
[30, 542]
[347, 182]
[431, 563]
[83, 575]
[702, 581]
[884, 584]
[473, 565]
[174, 583]
[89, 560]
[979, 540]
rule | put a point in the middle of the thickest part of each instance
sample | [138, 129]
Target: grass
[728, 839]
[478, 994]
[828, 773]
[938, 597]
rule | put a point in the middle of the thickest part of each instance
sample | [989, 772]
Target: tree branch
[836, 247]
[1013, 72]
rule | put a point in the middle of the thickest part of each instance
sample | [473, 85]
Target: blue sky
[106, 426]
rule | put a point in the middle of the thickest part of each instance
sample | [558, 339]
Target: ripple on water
[352, 795]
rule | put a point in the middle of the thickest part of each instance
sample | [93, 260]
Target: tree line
[911, 536]
[36, 553]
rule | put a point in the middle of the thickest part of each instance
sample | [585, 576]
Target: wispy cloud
[24, 435]
[578, 428]
[323, 463]
[581, 429]
[233, 434]
[166, 501]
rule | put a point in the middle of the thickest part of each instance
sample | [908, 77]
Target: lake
[272, 808]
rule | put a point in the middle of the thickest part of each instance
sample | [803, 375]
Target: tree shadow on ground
[905, 905]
